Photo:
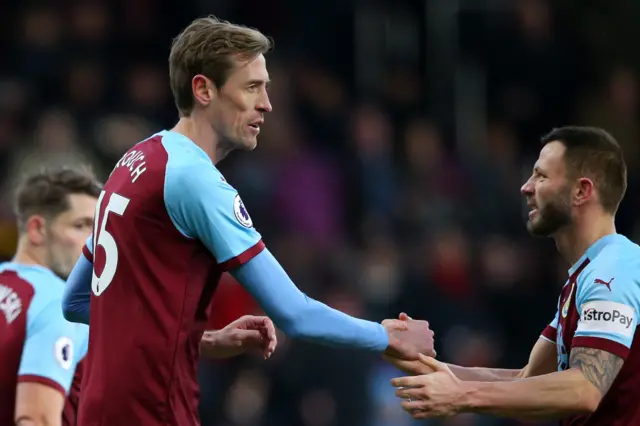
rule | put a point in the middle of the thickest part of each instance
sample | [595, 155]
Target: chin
[535, 231]
[542, 228]
[249, 144]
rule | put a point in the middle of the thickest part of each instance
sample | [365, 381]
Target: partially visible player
[574, 192]
[38, 347]
[168, 224]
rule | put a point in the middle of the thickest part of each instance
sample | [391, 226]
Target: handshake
[407, 339]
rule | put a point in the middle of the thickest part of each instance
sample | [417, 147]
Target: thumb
[404, 317]
[433, 363]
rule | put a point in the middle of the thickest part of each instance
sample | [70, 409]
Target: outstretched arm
[300, 316]
[204, 207]
[541, 361]
[578, 390]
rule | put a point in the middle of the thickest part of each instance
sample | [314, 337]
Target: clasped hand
[432, 390]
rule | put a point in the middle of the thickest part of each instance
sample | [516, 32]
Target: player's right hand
[408, 338]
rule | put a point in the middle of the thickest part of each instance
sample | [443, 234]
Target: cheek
[72, 240]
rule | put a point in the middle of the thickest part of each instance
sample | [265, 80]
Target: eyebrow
[265, 82]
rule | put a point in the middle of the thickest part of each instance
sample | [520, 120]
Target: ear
[204, 91]
[35, 230]
[585, 191]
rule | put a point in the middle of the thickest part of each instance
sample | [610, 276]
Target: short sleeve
[203, 206]
[87, 249]
[550, 332]
[607, 301]
[52, 349]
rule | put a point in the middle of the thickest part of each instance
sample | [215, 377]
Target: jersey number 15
[102, 238]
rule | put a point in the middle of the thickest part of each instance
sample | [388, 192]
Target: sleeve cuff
[243, 257]
[33, 378]
[607, 345]
[550, 333]
[87, 253]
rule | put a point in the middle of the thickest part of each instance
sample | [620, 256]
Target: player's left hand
[434, 395]
[244, 334]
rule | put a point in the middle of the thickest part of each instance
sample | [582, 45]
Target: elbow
[69, 316]
[589, 399]
[68, 312]
[291, 324]
[73, 315]
[35, 420]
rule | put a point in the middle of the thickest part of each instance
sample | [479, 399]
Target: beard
[60, 267]
[551, 217]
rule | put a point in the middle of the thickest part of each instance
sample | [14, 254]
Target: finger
[254, 322]
[271, 340]
[413, 406]
[433, 363]
[407, 382]
[395, 324]
[250, 338]
[418, 409]
[410, 367]
[271, 329]
[409, 393]
[404, 317]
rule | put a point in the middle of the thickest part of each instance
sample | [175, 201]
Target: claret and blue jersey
[598, 308]
[36, 343]
[167, 225]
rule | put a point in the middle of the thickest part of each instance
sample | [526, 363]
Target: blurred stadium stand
[386, 179]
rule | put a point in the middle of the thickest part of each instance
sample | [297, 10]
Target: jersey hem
[550, 333]
[243, 257]
[607, 345]
[33, 378]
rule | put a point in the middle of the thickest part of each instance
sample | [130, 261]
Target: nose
[527, 188]
[264, 105]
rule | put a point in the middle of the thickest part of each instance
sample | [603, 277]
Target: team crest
[241, 213]
[63, 352]
[565, 308]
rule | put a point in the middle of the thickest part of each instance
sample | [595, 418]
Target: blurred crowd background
[386, 179]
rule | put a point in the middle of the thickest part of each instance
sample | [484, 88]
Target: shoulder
[187, 163]
[189, 175]
[618, 260]
[45, 285]
[614, 273]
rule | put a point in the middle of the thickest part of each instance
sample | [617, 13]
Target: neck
[199, 131]
[574, 241]
[27, 255]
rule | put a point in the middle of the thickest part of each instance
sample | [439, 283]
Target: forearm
[300, 316]
[551, 396]
[480, 374]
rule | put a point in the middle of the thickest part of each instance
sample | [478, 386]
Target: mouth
[255, 126]
[533, 210]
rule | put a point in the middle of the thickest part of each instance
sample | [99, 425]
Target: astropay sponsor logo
[607, 317]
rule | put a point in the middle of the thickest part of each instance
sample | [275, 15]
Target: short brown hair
[47, 192]
[208, 47]
[592, 152]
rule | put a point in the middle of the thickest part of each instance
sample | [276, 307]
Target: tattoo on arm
[599, 367]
